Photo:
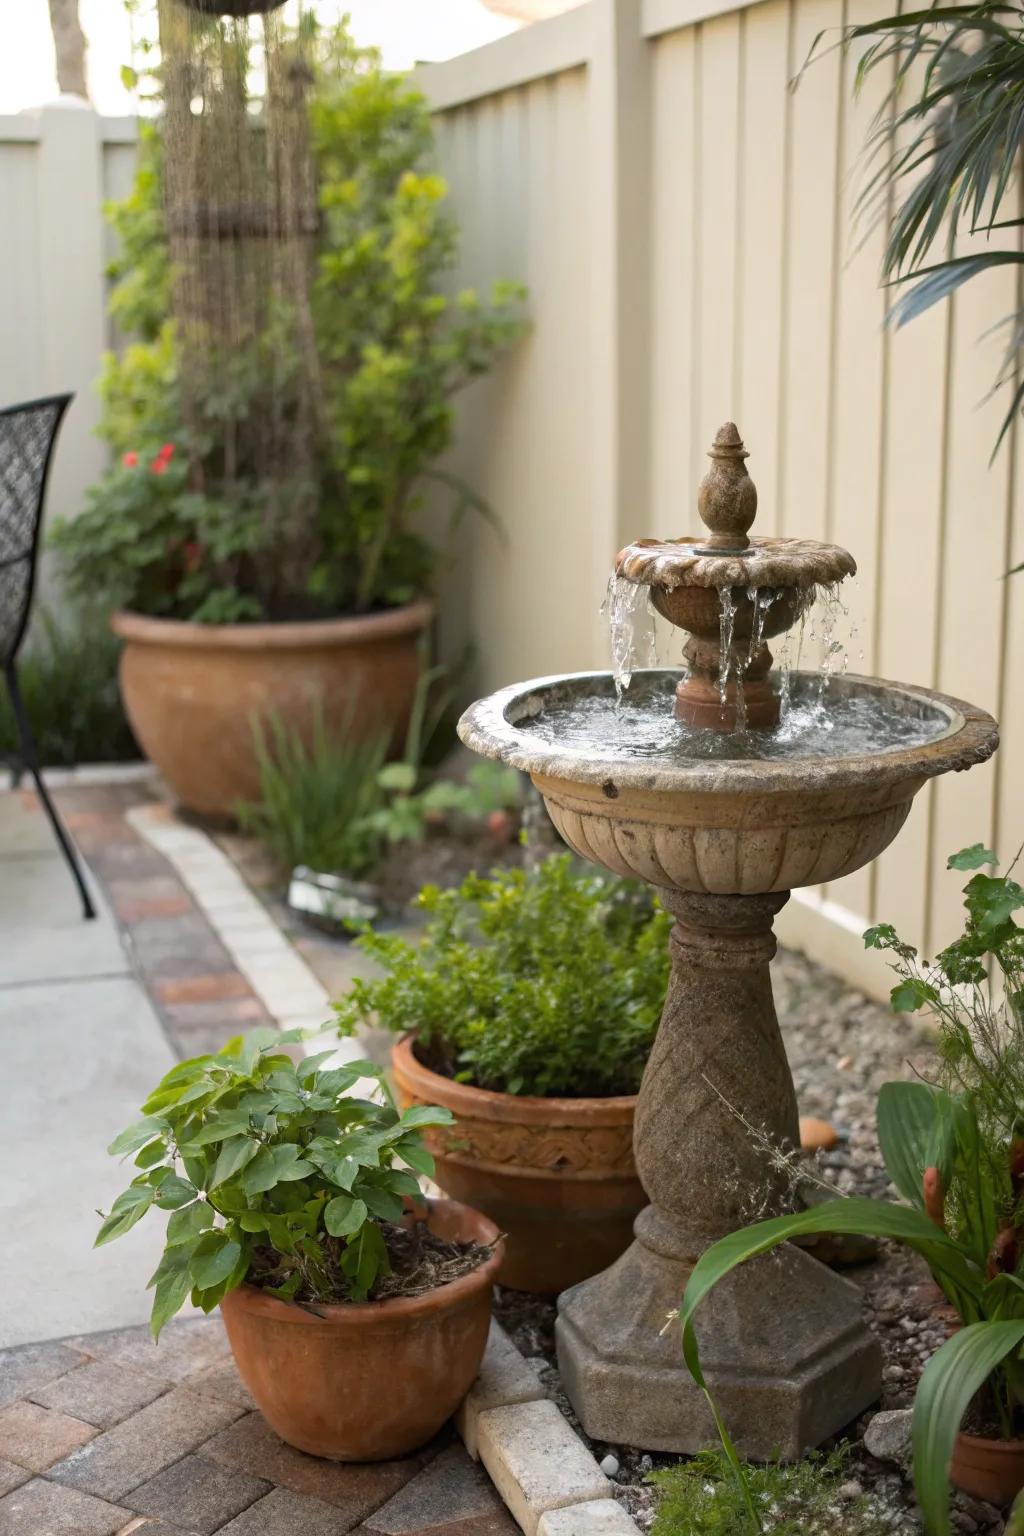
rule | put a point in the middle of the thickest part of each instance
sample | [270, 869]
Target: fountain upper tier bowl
[661, 800]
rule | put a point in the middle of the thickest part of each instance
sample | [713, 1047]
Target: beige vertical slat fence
[685, 225]
[751, 294]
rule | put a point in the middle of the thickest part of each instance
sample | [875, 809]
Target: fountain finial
[727, 498]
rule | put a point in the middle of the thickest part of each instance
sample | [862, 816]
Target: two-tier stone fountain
[724, 787]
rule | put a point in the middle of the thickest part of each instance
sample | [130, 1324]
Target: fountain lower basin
[744, 813]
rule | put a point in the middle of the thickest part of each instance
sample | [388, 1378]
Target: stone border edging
[550, 1482]
[83, 775]
[285, 985]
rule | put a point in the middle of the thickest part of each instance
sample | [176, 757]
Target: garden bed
[842, 1047]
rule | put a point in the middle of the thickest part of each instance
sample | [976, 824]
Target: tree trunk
[70, 45]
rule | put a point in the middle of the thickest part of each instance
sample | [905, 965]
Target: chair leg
[28, 747]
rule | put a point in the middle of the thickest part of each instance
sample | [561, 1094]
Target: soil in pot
[555, 1175]
[368, 1381]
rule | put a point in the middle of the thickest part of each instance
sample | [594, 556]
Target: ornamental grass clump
[954, 1151]
[547, 981]
[275, 1175]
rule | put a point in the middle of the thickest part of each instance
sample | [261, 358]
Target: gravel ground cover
[842, 1047]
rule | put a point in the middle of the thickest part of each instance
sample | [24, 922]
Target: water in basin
[841, 720]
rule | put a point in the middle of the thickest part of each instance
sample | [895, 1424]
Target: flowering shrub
[162, 549]
[188, 536]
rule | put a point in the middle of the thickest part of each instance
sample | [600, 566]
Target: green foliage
[981, 1026]
[407, 812]
[701, 1497]
[955, 1152]
[549, 981]
[68, 677]
[316, 801]
[271, 1170]
[945, 147]
[391, 350]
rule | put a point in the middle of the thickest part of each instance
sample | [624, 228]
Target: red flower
[129, 460]
[159, 467]
[166, 452]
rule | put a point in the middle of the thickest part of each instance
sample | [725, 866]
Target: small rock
[850, 1490]
[646, 1463]
[844, 1063]
[964, 1522]
[887, 1436]
[817, 1135]
[610, 1465]
[893, 1373]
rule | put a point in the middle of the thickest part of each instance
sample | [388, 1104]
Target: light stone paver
[504, 1378]
[100, 1394]
[536, 1461]
[602, 1517]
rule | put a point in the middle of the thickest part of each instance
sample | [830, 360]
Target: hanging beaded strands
[242, 222]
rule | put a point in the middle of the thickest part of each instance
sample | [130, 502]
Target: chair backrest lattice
[27, 436]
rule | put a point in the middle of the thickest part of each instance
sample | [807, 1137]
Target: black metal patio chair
[27, 435]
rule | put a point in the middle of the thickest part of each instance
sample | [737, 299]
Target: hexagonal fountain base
[782, 1344]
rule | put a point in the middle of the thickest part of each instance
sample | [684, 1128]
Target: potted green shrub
[280, 408]
[955, 1153]
[295, 1209]
[527, 1008]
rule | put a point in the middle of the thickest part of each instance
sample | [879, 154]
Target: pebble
[850, 1490]
[887, 1436]
[610, 1465]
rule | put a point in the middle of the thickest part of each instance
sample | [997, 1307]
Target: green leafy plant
[68, 678]
[316, 801]
[944, 151]
[957, 1159]
[700, 1497]
[195, 540]
[271, 1173]
[549, 981]
[489, 791]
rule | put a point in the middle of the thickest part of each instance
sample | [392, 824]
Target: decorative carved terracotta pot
[556, 1175]
[191, 691]
[367, 1381]
[992, 1470]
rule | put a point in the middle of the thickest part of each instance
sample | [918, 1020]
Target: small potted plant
[259, 538]
[292, 1211]
[955, 1153]
[528, 1008]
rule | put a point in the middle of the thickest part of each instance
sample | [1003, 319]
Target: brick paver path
[106, 1434]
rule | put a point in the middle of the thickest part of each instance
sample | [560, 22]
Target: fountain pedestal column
[781, 1339]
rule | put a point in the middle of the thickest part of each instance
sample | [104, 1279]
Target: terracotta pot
[557, 1175]
[992, 1470]
[367, 1381]
[191, 690]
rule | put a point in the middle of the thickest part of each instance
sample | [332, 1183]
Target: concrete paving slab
[80, 1056]
[43, 936]
[23, 825]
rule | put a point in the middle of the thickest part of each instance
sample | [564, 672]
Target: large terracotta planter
[992, 1470]
[370, 1381]
[191, 690]
[556, 1175]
